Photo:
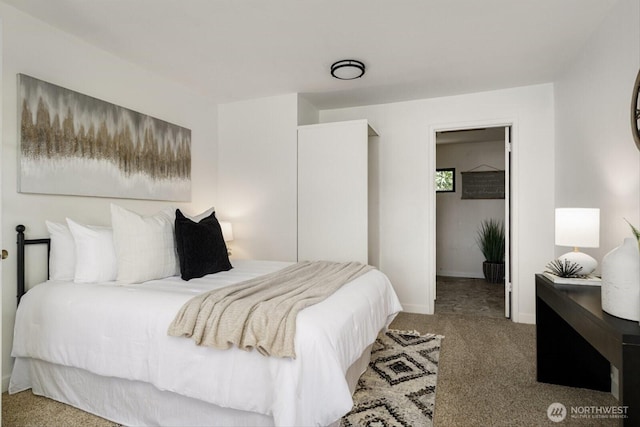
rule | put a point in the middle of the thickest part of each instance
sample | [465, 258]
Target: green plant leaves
[491, 240]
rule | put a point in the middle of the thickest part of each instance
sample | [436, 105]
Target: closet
[333, 190]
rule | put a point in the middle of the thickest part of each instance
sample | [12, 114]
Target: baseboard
[5, 382]
[416, 308]
[528, 318]
[615, 388]
[464, 274]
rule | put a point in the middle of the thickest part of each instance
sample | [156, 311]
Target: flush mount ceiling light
[347, 69]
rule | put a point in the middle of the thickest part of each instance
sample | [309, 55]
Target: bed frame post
[21, 290]
[21, 242]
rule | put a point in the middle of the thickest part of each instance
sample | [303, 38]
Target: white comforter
[121, 331]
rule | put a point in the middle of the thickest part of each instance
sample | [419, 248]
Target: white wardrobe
[333, 191]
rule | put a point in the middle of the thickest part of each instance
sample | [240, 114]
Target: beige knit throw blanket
[261, 313]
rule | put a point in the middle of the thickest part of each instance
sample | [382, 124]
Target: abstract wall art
[75, 144]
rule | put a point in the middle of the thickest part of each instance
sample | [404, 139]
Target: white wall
[308, 114]
[597, 162]
[257, 176]
[39, 50]
[405, 158]
[458, 220]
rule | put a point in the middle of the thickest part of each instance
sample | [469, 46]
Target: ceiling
[231, 50]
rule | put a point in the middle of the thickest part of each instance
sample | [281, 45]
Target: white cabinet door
[333, 192]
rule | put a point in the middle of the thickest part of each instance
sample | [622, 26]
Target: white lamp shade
[578, 227]
[227, 231]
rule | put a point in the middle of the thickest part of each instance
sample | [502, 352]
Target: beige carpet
[26, 409]
[486, 377]
[487, 374]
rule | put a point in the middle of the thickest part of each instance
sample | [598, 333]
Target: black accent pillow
[201, 247]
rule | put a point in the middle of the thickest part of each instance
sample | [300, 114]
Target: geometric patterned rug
[399, 387]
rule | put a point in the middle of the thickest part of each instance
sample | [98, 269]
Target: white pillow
[95, 253]
[199, 217]
[145, 245]
[62, 259]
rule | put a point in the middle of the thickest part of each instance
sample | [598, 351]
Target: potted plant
[491, 241]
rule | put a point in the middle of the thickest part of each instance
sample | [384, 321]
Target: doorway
[472, 170]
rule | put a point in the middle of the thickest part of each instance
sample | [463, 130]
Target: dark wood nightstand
[576, 341]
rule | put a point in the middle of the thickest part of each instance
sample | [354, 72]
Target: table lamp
[578, 227]
[227, 233]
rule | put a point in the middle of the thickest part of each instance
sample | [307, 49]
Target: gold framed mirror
[635, 111]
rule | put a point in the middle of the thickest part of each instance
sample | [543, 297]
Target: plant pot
[493, 271]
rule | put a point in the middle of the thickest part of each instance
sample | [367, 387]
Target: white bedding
[121, 331]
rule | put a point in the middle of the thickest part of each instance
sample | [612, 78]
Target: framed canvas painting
[74, 144]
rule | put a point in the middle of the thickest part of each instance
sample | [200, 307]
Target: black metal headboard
[21, 244]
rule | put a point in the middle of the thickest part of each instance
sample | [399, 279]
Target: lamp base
[587, 263]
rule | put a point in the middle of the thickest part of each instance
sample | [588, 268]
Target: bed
[103, 347]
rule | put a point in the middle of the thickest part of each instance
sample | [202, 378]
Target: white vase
[621, 281]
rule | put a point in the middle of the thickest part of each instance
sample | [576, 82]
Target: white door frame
[510, 208]
[2, 243]
[507, 221]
